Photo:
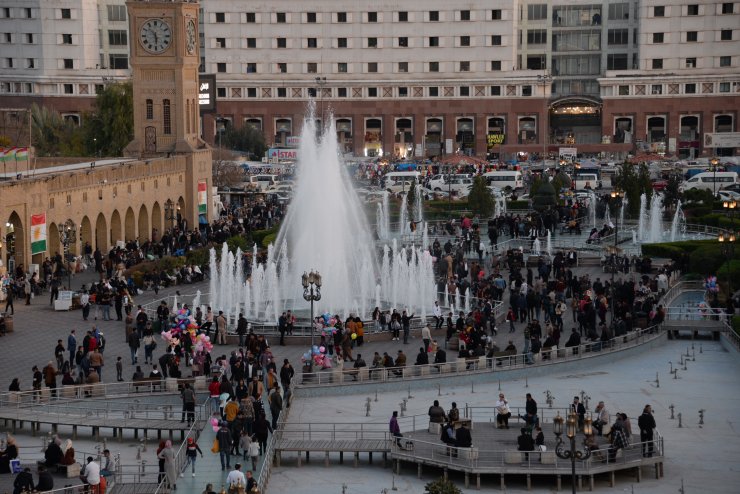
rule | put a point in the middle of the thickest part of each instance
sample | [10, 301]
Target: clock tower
[164, 59]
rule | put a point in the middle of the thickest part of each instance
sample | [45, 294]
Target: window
[618, 37]
[535, 36]
[537, 12]
[68, 89]
[282, 92]
[66, 14]
[311, 17]
[118, 62]
[221, 67]
[692, 9]
[690, 88]
[527, 90]
[6, 12]
[251, 17]
[496, 14]
[116, 13]
[616, 61]
[341, 16]
[312, 92]
[372, 17]
[728, 8]
[342, 92]
[657, 38]
[372, 92]
[659, 11]
[657, 63]
[29, 38]
[282, 67]
[8, 37]
[117, 37]
[619, 11]
[433, 41]
[656, 89]
[30, 63]
[691, 63]
[220, 42]
[496, 40]
[465, 91]
[252, 68]
[372, 67]
[342, 42]
[403, 42]
[495, 64]
[403, 67]
[372, 42]
[29, 13]
[166, 117]
[725, 61]
[433, 66]
[692, 36]
[495, 90]
[403, 17]
[433, 92]
[150, 109]
[464, 15]
[312, 42]
[9, 63]
[536, 62]
[342, 67]
[312, 67]
[221, 92]
[434, 16]
[464, 66]
[282, 43]
[724, 87]
[624, 90]
[251, 42]
[69, 63]
[280, 18]
[251, 92]
[726, 35]
[220, 17]
[403, 92]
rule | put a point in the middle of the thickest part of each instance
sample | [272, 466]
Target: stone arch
[52, 239]
[156, 221]
[143, 224]
[86, 232]
[115, 228]
[130, 225]
[15, 242]
[101, 233]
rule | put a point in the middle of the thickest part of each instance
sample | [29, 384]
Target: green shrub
[169, 263]
[517, 204]
[238, 242]
[442, 486]
[199, 257]
[259, 235]
[269, 239]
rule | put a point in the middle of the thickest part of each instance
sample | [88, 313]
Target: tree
[411, 199]
[634, 181]
[442, 486]
[246, 139]
[545, 197]
[671, 193]
[480, 199]
[110, 127]
[54, 136]
[226, 174]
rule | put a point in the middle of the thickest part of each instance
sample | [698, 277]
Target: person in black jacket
[422, 358]
[46, 482]
[646, 423]
[23, 482]
[525, 442]
[463, 439]
[580, 410]
[53, 454]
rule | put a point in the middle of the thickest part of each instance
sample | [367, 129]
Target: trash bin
[8, 323]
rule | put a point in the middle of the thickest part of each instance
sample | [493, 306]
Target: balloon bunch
[711, 284]
[318, 356]
[184, 322]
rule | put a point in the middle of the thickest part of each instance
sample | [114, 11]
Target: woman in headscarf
[69, 453]
[10, 453]
[161, 462]
[170, 469]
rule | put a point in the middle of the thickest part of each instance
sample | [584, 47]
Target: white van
[505, 178]
[457, 184]
[261, 182]
[713, 181]
[395, 182]
[587, 181]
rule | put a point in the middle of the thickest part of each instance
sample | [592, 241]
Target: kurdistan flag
[38, 233]
[21, 154]
[202, 197]
[9, 154]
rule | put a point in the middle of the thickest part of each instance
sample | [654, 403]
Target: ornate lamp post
[714, 163]
[311, 293]
[544, 79]
[728, 251]
[572, 453]
[616, 195]
[171, 213]
[68, 236]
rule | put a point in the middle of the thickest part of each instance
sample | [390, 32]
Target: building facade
[422, 78]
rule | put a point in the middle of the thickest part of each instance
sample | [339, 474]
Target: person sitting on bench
[53, 454]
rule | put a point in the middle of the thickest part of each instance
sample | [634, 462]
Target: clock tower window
[166, 117]
[149, 109]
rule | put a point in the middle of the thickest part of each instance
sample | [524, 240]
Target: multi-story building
[423, 78]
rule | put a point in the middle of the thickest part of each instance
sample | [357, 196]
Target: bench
[69, 471]
[459, 423]
[147, 382]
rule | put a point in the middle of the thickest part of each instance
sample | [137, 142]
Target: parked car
[659, 185]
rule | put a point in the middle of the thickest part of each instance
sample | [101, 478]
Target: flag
[202, 197]
[38, 233]
[9, 154]
[21, 154]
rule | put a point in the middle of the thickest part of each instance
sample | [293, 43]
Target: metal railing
[263, 476]
[732, 336]
[677, 288]
[476, 365]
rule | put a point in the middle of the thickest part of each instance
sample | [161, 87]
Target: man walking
[224, 445]
[406, 323]
[646, 423]
[241, 329]
[71, 346]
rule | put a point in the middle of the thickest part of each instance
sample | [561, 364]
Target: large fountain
[325, 230]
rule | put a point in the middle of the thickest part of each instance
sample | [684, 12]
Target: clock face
[155, 35]
[190, 37]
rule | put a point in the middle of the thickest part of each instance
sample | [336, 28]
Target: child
[254, 451]
[119, 369]
[244, 443]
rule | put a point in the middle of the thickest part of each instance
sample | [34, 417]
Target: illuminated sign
[495, 139]
[282, 154]
[293, 141]
[207, 93]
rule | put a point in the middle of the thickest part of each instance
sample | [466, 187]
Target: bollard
[701, 416]
[410, 393]
[675, 373]
[403, 405]
[657, 380]
[684, 364]
[367, 407]
[376, 397]
[672, 407]
[687, 352]
[701, 348]
[680, 360]
[499, 384]
[680, 425]
[439, 390]
[671, 364]
[693, 354]
[526, 382]
[472, 387]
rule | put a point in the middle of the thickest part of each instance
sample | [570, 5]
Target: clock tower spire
[164, 61]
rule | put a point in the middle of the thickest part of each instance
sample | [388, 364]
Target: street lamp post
[544, 79]
[615, 195]
[171, 213]
[311, 293]
[571, 453]
[728, 251]
[714, 163]
[67, 236]
[321, 82]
